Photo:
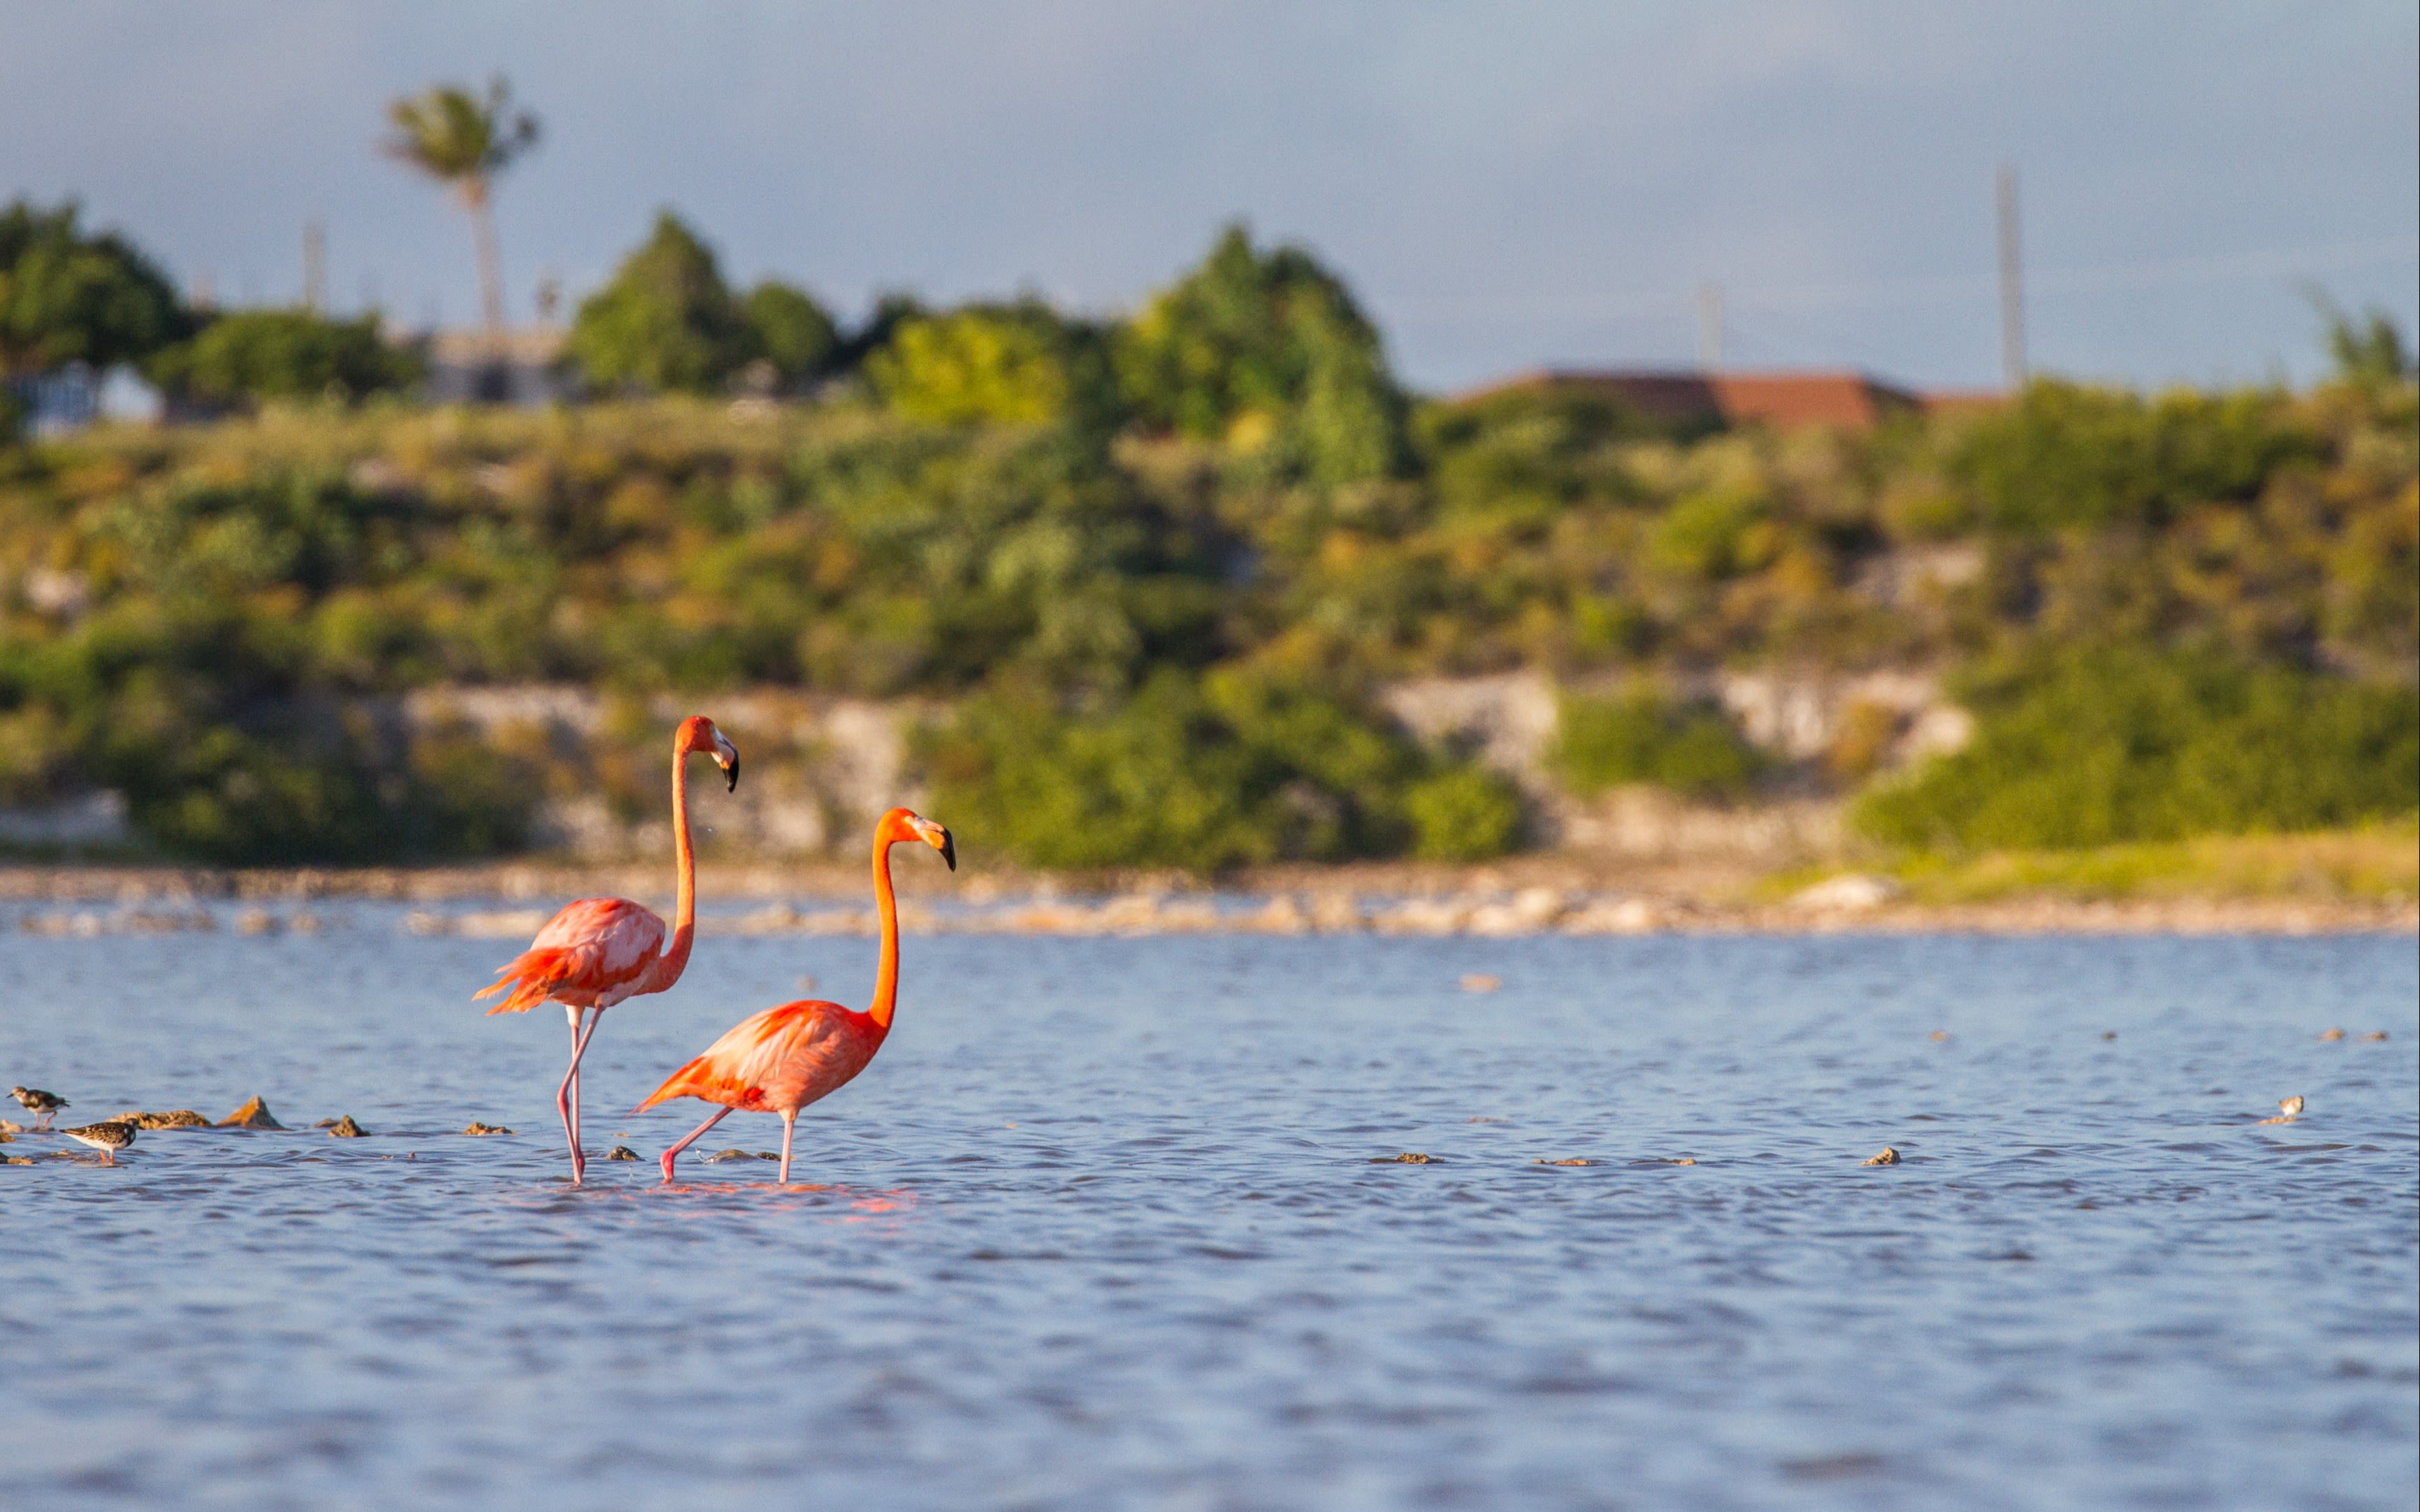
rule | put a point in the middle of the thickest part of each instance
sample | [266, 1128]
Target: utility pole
[1710, 327]
[315, 268]
[2012, 289]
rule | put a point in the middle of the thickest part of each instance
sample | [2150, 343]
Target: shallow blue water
[1100, 1228]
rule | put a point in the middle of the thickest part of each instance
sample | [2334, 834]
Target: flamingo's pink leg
[673, 1154]
[789, 1126]
[567, 1097]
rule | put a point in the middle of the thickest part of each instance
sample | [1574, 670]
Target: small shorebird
[109, 1138]
[39, 1103]
[2288, 1109]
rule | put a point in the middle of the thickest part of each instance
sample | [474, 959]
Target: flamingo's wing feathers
[592, 945]
[778, 1043]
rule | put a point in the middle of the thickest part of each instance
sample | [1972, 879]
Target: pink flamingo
[600, 951]
[785, 1058]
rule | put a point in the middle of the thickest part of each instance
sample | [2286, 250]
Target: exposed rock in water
[8, 1128]
[722, 1155]
[1409, 1157]
[252, 1115]
[16, 1159]
[2333, 1034]
[346, 1129]
[1667, 1160]
[617, 1152]
[1887, 1157]
[1480, 981]
[1562, 1163]
[478, 1128]
[172, 1119]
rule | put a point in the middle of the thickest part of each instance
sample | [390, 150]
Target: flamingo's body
[600, 952]
[785, 1058]
[594, 954]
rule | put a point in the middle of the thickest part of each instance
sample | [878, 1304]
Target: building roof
[1785, 401]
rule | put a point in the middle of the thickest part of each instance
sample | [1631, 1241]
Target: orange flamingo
[600, 951]
[785, 1058]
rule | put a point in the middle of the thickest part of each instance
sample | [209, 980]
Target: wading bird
[39, 1103]
[109, 1138]
[600, 950]
[785, 1058]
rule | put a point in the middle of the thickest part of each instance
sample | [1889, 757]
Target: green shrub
[1642, 736]
[788, 329]
[1014, 364]
[666, 322]
[1159, 781]
[287, 354]
[2067, 454]
[1241, 766]
[1465, 814]
[68, 295]
[1256, 347]
[2090, 745]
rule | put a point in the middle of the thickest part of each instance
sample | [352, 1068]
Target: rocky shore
[1534, 897]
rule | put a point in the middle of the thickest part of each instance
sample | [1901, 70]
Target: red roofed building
[1784, 401]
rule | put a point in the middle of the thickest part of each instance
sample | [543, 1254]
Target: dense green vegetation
[1152, 575]
[668, 323]
[71, 296]
[2095, 744]
[285, 354]
[1645, 736]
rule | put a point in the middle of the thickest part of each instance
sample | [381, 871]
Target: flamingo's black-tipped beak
[731, 775]
[949, 850]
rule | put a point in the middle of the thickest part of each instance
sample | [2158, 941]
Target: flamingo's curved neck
[886, 973]
[675, 956]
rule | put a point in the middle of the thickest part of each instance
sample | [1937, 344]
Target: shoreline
[1524, 897]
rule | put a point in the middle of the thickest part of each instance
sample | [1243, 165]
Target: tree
[2370, 351]
[280, 354]
[666, 321]
[1017, 364]
[67, 296]
[1255, 346]
[787, 329]
[463, 143]
[891, 311]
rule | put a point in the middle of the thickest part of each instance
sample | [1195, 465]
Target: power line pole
[1710, 327]
[2012, 290]
[315, 268]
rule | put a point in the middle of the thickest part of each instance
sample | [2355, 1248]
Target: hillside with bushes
[1138, 590]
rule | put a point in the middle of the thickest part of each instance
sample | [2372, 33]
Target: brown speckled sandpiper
[39, 1103]
[109, 1138]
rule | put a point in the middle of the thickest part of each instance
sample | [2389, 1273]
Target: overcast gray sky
[1506, 184]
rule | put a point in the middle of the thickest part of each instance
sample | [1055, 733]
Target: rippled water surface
[1102, 1227]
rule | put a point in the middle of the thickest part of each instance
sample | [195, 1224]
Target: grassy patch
[2375, 864]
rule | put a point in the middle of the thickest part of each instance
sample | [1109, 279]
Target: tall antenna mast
[315, 268]
[2012, 289]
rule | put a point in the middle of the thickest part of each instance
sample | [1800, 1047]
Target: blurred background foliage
[1151, 576]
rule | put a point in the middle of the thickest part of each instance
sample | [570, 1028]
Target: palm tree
[463, 142]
